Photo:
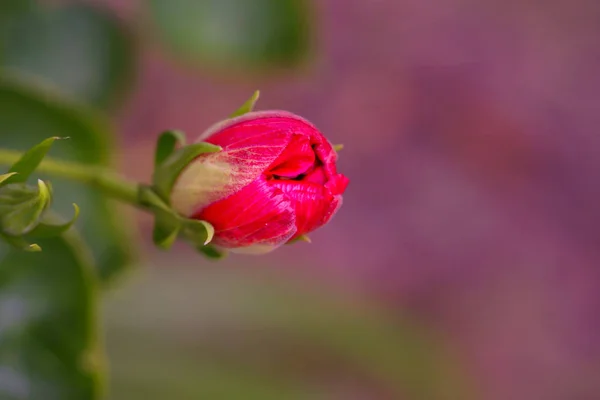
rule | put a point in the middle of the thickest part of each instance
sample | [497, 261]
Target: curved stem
[100, 178]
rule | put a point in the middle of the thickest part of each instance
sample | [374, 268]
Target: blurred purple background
[471, 141]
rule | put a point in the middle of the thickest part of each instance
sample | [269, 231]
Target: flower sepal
[172, 155]
[24, 208]
[169, 226]
[170, 161]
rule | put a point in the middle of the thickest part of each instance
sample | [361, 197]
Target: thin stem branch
[100, 178]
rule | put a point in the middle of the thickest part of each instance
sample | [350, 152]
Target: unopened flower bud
[274, 181]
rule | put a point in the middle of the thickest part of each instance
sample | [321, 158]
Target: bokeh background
[465, 262]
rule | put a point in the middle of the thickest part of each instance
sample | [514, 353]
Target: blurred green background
[463, 264]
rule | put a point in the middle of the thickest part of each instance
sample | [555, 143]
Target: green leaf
[22, 207]
[47, 229]
[34, 248]
[168, 171]
[30, 160]
[235, 35]
[4, 178]
[18, 242]
[248, 106]
[166, 144]
[29, 115]
[83, 51]
[48, 342]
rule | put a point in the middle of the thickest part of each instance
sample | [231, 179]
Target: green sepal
[338, 147]
[248, 106]
[46, 229]
[148, 198]
[199, 232]
[166, 230]
[167, 172]
[22, 207]
[301, 238]
[212, 252]
[20, 243]
[166, 144]
[168, 225]
[4, 178]
[30, 160]
[166, 222]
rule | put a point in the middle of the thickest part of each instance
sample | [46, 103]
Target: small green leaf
[18, 242]
[166, 144]
[338, 147]
[45, 229]
[199, 232]
[212, 252]
[22, 207]
[304, 238]
[34, 248]
[44, 191]
[4, 177]
[30, 161]
[301, 238]
[166, 173]
[248, 106]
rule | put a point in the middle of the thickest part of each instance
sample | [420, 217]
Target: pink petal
[337, 184]
[311, 202]
[297, 158]
[257, 214]
[317, 175]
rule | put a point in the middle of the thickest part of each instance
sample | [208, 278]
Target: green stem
[100, 178]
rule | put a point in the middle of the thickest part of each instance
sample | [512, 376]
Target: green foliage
[23, 207]
[30, 160]
[29, 115]
[80, 50]
[48, 324]
[238, 35]
[48, 330]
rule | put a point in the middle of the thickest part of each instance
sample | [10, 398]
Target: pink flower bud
[274, 180]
